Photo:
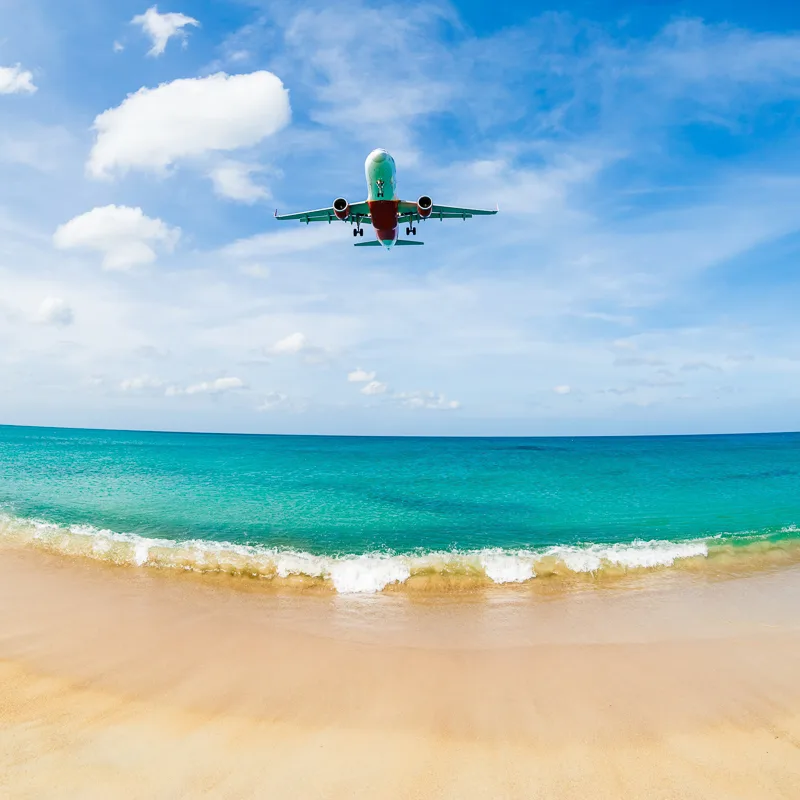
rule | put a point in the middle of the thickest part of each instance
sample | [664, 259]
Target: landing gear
[355, 231]
[360, 231]
[411, 231]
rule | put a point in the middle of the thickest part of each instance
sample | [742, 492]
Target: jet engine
[424, 206]
[341, 208]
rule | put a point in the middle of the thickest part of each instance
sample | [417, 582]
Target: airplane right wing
[408, 212]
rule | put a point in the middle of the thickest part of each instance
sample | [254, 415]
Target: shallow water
[363, 514]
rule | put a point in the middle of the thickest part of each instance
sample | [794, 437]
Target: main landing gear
[358, 231]
[411, 231]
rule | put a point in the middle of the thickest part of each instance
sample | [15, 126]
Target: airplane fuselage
[382, 195]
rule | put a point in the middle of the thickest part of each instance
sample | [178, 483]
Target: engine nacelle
[341, 208]
[424, 206]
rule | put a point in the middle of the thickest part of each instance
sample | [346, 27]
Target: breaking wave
[378, 571]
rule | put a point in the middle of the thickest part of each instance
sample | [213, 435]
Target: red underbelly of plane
[384, 218]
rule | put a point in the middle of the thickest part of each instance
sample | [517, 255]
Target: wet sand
[118, 682]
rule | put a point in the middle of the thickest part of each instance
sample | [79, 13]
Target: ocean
[362, 515]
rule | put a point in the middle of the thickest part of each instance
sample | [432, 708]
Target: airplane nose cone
[378, 156]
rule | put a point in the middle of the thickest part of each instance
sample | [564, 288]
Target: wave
[369, 573]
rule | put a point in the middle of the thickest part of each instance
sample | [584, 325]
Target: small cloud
[360, 376]
[118, 47]
[255, 270]
[375, 387]
[298, 344]
[232, 181]
[426, 400]
[15, 80]
[125, 236]
[142, 383]
[218, 386]
[563, 389]
[277, 401]
[291, 345]
[55, 311]
[162, 27]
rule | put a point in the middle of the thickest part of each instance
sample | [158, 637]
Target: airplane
[383, 209]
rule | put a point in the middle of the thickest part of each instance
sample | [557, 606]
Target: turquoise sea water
[371, 511]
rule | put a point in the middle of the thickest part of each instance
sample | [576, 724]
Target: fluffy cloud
[15, 80]
[143, 382]
[54, 311]
[375, 387]
[118, 47]
[563, 389]
[153, 128]
[162, 27]
[232, 180]
[217, 386]
[360, 376]
[432, 400]
[125, 236]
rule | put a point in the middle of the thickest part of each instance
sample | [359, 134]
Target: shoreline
[544, 570]
[130, 682]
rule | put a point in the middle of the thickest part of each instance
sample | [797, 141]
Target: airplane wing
[327, 214]
[408, 212]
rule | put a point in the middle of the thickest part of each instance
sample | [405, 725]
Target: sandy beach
[117, 682]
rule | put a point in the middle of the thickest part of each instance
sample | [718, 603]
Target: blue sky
[641, 277]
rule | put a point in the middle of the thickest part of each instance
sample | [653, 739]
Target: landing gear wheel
[355, 231]
[360, 231]
[408, 231]
[414, 231]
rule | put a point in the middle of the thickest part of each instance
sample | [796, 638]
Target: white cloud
[153, 128]
[118, 47]
[141, 383]
[55, 311]
[299, 344]
[360, 376]
[232, 180]
[15, 80]
[292, 344]
[217, 386]
[125, 236]
[375, 387]
[162, 27]
[432, 400]
[277, 401]
[563, 389]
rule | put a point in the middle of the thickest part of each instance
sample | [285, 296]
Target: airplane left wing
[360, 210]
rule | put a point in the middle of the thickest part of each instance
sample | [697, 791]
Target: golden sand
[118, 682]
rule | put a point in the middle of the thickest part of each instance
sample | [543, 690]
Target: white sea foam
[348, 573]
[503, 567]
[635, 555]
[367, 574]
